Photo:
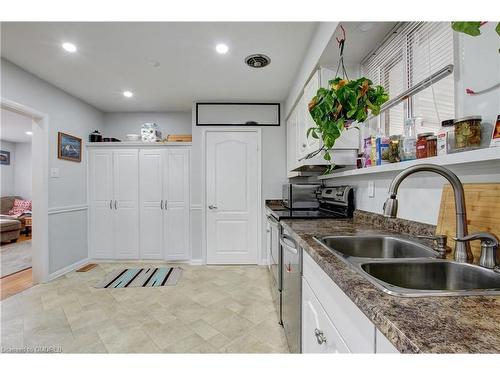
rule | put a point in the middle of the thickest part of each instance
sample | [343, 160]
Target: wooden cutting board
[483, 212]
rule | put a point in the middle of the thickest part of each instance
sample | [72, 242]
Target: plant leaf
[467, 27]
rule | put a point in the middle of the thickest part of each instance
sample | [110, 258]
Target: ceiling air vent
[257, 61]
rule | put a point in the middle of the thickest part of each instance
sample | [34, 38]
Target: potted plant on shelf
[334, 108]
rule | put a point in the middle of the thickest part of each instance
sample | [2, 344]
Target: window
[412, 53]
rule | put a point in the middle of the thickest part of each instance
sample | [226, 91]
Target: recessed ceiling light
[221, 48]
[70, 47]
[29, 133]
[128, 94]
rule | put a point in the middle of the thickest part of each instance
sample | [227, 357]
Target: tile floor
[223, 309]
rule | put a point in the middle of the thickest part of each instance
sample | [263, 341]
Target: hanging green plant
[343, 102]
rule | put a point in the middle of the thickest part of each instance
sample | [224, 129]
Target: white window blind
[413, 52]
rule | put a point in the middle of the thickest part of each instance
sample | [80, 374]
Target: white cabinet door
[383, 345]
[126, 197]
[101, 204]
[301, 128]
[319, 335]
[310, 90]
[291, 141]
[151, 203]
[176, 195]
[232, 197]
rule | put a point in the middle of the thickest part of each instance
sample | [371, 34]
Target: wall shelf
[485, 155]
[136, 144]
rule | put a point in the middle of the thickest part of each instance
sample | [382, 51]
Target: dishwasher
[291, 293]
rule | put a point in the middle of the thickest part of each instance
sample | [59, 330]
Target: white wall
[7, 171]
[477, 67]
[273, 174]
[119, 124]
[70, 115]
[22, 170]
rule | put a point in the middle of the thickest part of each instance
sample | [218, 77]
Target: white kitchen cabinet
[319, 334]
[310, 90]
[383, 345]
[152, 203]
[356, 330]
[291, 143]
[299, 121]
[139, 203]
[114, 222]
[101, 204]
[176, 193]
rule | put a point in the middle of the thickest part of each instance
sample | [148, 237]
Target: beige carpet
[15, 257]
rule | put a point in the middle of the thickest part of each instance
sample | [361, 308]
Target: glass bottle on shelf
[409, 140]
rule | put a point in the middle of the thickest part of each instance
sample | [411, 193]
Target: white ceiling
[361, 39]
[14, 127]
[117, 56]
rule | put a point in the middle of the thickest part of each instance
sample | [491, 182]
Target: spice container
[431, 146]
[394, 149]
[444, 137]
[422, 145]
[468, 132]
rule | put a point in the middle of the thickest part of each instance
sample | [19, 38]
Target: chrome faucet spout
[463, 252]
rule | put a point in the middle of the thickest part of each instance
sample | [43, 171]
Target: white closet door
[176, 183]
[126, 196]
[101, 204]
[151, 203]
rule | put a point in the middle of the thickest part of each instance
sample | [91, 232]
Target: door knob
[212, 207]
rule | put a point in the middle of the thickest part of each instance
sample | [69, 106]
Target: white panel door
[176, 185]
[151, 203]
[126, 197]
[101, 204]
[232, 197]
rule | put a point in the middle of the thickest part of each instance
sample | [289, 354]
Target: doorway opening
[24, 198]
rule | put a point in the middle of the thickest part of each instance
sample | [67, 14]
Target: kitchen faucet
[463, 252]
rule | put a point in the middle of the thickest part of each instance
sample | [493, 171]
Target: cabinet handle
[320, 337]
[212, 207]
[165, 205]
[111, 204]
[115, 206]
[161, 204]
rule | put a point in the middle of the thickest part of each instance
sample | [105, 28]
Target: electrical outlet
[54, 172]
[371, 189]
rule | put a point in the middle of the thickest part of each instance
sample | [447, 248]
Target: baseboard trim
[197, 262]
[68, 269]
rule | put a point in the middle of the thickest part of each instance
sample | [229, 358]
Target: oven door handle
[292, 249]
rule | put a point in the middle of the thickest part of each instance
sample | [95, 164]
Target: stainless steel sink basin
[417, 278]
[376, 246]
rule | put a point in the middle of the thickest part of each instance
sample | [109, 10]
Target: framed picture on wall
[4, 157]
[69, 147]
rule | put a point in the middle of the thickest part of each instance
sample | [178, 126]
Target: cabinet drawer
[355, 328]
[315, 322]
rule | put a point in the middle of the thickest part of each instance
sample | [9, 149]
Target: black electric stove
[334, 203]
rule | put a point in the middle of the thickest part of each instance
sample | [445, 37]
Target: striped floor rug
[141, 277]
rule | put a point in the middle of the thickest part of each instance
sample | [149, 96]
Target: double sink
[403, 267]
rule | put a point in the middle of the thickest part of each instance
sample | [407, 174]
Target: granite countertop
[412, 325]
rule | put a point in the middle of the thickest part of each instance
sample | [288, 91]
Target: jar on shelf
[431, 146]
[444, 136]
[468, 132]
[422, 145]
[394, 149]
